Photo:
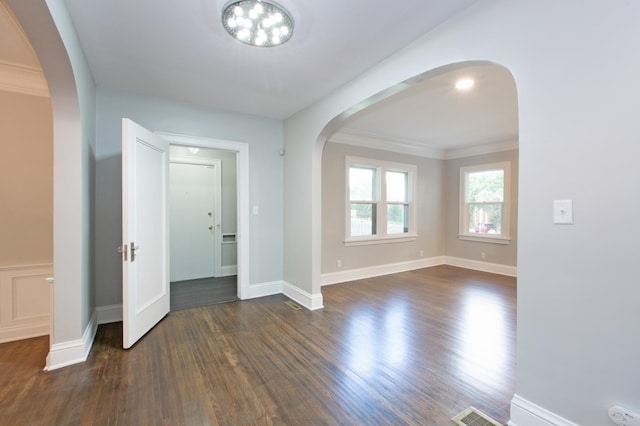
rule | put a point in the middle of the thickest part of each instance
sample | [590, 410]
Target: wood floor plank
[409, 348]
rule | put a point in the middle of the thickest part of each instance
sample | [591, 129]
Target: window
[380, 201]
[484, 202]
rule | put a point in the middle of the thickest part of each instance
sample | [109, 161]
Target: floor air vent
[293, 305]
[473, 417]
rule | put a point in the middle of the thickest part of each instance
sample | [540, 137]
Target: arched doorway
[440, 128]
[45, 25]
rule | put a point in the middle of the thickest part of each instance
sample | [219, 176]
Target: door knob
[210, 227]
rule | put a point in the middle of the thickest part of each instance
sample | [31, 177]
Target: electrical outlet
[339, 263]
[421, 253]
[483, 255]
[623, 417]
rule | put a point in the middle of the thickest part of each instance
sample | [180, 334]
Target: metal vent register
[473, 417]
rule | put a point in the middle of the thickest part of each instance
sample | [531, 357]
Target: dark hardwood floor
[203, 292]
[410, 348]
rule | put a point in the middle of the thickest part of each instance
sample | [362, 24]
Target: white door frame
[217, 239]
[242, 232]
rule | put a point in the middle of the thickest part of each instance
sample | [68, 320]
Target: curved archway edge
[44, 23]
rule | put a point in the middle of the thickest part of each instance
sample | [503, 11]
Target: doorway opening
[203, 226]
[229, 270]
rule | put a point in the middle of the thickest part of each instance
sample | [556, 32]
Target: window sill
[485, 239]
[389, 239]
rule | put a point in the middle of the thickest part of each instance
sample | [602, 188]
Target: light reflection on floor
[383, 337]
[483, 336]
[378, 339]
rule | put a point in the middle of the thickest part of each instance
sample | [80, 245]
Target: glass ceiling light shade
[257, 23]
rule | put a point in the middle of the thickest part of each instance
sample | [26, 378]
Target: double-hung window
[484, 202]
[380, 201]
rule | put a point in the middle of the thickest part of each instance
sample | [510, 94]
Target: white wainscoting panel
[25, 302]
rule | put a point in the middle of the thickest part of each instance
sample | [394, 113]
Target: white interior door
[193, 221]
[145, 231]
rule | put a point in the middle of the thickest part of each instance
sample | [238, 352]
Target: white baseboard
[24, 332]
[306, 299]
[229, 270]
[108, 314]
[264, 289]
[73, 351]
[378, 270]
[394, 268]
[494, 268]
[526, 413]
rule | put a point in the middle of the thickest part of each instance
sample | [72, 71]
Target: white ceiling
[179, 50]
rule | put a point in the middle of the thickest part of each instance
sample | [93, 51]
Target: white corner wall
[576, 71]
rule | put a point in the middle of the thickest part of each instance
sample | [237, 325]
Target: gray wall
[264, 137]
[429, 212]
[503, 254]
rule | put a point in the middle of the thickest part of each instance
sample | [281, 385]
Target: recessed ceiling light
[464, 84]
[257, 23]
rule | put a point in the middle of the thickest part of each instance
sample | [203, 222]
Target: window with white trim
[380, 201]
[484, 202]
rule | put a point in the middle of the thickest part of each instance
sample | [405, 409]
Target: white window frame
[464, 234]
[380, 201]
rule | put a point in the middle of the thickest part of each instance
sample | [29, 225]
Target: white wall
[576, 71]
[264, 137]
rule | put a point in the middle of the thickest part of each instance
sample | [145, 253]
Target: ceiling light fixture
[194, 151]
[464, 84]
[257, 23]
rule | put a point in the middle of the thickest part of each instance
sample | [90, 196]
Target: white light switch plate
[563, 211]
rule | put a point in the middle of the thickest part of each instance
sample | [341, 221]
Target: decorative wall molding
[308, 300]
[23, 79]
[487, 148]
[374, 141]
[25, 302]
[73, 351]
[526, 413]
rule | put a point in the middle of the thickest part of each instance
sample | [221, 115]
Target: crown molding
[369, 140]
[373, 141]
[486, 148]
[23, 79]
